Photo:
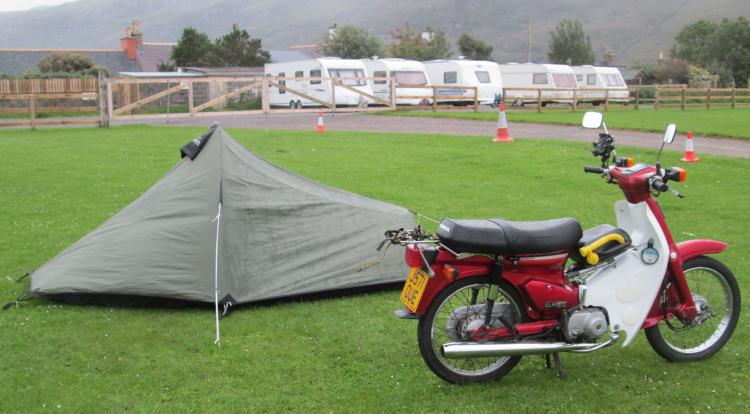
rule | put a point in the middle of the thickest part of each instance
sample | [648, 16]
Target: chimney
[132, 40]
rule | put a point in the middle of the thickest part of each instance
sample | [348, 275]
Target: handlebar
[658, 184]
[594, 170]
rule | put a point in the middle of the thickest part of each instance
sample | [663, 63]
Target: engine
[584, 324]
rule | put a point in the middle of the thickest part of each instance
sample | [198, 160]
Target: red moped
[487, 292]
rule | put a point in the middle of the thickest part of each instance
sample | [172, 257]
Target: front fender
[693, 248]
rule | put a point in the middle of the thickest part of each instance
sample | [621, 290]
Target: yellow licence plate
[414, 288]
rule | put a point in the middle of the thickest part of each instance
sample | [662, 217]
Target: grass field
[721, 122]
[345, 354]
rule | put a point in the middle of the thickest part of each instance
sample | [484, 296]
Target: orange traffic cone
[502, 134]
[689, 150]
[320, 127]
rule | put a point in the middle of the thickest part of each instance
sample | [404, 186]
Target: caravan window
[380, 74]
[282, 83]
[483, 76]
[299, 74]
[349, 73]
[591, 79]
[579, 78]
[450, 77]
[612, 79]
[564, 80]
[410, 78]
[315, 73]
[540, 79]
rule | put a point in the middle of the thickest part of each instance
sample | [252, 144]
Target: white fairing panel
[628, 289]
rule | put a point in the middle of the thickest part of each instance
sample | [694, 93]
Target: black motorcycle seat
[503, 237]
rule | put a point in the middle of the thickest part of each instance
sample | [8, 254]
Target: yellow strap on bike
[588, 251]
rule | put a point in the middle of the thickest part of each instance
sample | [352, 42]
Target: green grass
[719, 122]
[337, 355]
[41, 115]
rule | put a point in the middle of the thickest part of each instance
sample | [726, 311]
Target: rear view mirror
[669, 133]
[592, 120]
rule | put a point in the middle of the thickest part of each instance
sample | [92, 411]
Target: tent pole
[216, 277]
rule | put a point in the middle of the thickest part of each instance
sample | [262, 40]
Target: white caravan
[530, 77]
[601, 78]
[318, 89]
[404, 73]
[484, 75]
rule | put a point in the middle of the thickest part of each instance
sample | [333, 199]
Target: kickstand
[558, 365]
[547, 362]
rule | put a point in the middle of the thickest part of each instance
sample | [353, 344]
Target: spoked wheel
[717, 298]
[456, 312]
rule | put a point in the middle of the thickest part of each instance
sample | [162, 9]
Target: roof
[151, 54]
[225, 71]
[283, 56]
[631, 73]
[18, 61]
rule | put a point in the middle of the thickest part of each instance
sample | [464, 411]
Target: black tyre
[453, 314]
[717, 297]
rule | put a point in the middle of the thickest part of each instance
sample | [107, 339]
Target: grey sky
[16, 5]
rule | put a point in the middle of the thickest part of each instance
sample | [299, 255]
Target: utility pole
[529, 40]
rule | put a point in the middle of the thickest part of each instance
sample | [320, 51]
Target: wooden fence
[632, 98]
[23, 101]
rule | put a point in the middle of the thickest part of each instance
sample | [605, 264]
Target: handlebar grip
[595, 170]
[659, 184]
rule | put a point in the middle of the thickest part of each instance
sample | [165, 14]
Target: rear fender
[694, 248]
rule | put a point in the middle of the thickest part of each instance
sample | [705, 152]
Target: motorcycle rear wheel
[717, 295]
[432, 332]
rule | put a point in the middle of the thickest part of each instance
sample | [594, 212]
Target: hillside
[636, 30]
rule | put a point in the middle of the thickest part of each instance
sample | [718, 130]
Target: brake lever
[677, 193]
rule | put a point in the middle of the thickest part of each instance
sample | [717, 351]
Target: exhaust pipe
[460, 350]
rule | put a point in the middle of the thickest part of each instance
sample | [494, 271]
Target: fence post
[476, 99]
[190, 97]
[656, 99]
[637, 98]
[333, 94]
[32, 110]
[734, 96]
[434, 98]
[575, 99]
[265, 103]
[392, 90]
[606, 99]
[110, 107]
[708, 98]
[539, 100]
[103, 100]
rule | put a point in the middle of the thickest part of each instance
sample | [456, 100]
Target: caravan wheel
[292, 105]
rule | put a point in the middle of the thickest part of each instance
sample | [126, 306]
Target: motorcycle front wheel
[717, 298]
[455, 312]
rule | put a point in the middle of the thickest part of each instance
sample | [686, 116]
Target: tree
[672, 71]
[474, 49]
[570, 45]
[194, 49]
[70, 63]
[237, 48]
[430, 45]
[722, 48]
[351, 42]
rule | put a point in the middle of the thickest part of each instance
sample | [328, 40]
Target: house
[635, 77]
[134, 55]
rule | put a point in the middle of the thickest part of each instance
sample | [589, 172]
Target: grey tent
[278, 234]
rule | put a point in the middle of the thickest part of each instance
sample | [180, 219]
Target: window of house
[483, 76]
[450, 77]
[564, 80]
[410, 78]
[540, 79]
[380, 74]
[282, 90]
[315, 73]
[591, 79]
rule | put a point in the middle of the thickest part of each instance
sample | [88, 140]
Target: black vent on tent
[195, 146]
